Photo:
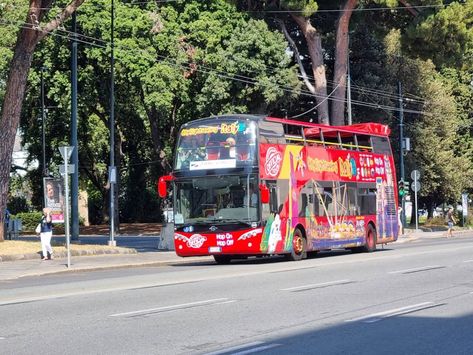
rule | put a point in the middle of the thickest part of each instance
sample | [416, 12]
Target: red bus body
[306, 187]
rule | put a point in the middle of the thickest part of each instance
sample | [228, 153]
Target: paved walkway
[147, 254]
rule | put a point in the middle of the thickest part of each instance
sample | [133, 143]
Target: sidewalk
[412, 234]
[136, 251]
[35, 267]
[143, 251]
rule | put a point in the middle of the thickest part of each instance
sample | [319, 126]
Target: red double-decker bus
[248, 185]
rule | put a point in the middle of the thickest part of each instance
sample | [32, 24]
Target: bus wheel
[370, 240]
[222, 259]
[298, 251]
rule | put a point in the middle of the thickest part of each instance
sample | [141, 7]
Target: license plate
[215, 250]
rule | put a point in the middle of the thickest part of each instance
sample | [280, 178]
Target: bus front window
[205, 145]
[225, 199]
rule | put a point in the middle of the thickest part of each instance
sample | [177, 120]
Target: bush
[29, 220]
[436, 221]
[469, 218]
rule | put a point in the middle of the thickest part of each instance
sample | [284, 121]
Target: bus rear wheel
[370, 245]
[222, 259]
[299, 247]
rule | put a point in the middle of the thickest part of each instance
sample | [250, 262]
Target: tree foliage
[174, 62]
[181, 60]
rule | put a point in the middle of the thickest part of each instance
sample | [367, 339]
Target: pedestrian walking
[46, 232]
[399, 222]
[450, 222]
[6, 221]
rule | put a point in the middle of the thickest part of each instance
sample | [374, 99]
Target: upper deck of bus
[230, 142]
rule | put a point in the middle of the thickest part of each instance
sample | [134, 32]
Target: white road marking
[375, 317]
[174, 307]
[257, 349]
[238, 347]
[313, 286]
[468, 261]
[424, 268]
[248, 348]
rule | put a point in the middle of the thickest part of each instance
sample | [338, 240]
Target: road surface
[414, 298]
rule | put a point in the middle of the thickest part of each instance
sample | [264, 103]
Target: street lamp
[112, 168]
[43, 119]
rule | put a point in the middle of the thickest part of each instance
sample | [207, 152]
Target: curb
[63, 254]
[119, 265]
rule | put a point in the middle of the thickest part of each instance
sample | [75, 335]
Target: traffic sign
[415, 175]
[70, 169]
[415, 186]
[66, 151]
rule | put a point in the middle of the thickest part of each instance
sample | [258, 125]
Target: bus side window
[328, 202]
[381, 145]
[314, 201]
[303, 203]
[364, 143]
[367, 201]
[273, 197]
[353, 208]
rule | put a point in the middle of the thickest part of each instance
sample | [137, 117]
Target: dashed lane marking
[174, 307]
[315, 286]
[244, 349]
[419, 269]
[375, 317]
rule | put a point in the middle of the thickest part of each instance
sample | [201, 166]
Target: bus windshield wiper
[230, 220]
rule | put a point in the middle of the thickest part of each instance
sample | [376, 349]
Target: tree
[175, 62]
[314, 44]
[31, 33]
[444, 37]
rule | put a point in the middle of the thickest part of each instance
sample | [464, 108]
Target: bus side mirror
[162, 185]
[264, 193]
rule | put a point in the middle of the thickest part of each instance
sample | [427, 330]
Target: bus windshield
[215, 145]
[217, 199]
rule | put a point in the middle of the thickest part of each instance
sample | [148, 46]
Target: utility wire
[361, 90]
[367, 9]
[320, 103]
[225, 75]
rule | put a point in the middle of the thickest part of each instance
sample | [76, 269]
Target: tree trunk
[341, 62]
[28, 37]
[314, 44]
[11, 111]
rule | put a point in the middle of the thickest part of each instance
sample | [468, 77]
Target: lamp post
[401, 151]
[74, 141]
[43, 119]
[112, 170]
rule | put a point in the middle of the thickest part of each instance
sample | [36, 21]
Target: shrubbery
[435, 221]
[29, 220]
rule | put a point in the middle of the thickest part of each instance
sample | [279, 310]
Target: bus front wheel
[299, 250]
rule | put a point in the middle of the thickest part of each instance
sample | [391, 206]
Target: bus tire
[370, 245]
[222, 259]
[299, 247]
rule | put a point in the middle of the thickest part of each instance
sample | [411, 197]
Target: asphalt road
[414, 298]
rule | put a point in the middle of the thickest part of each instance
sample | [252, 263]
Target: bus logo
[273, 162]
[196, 241]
